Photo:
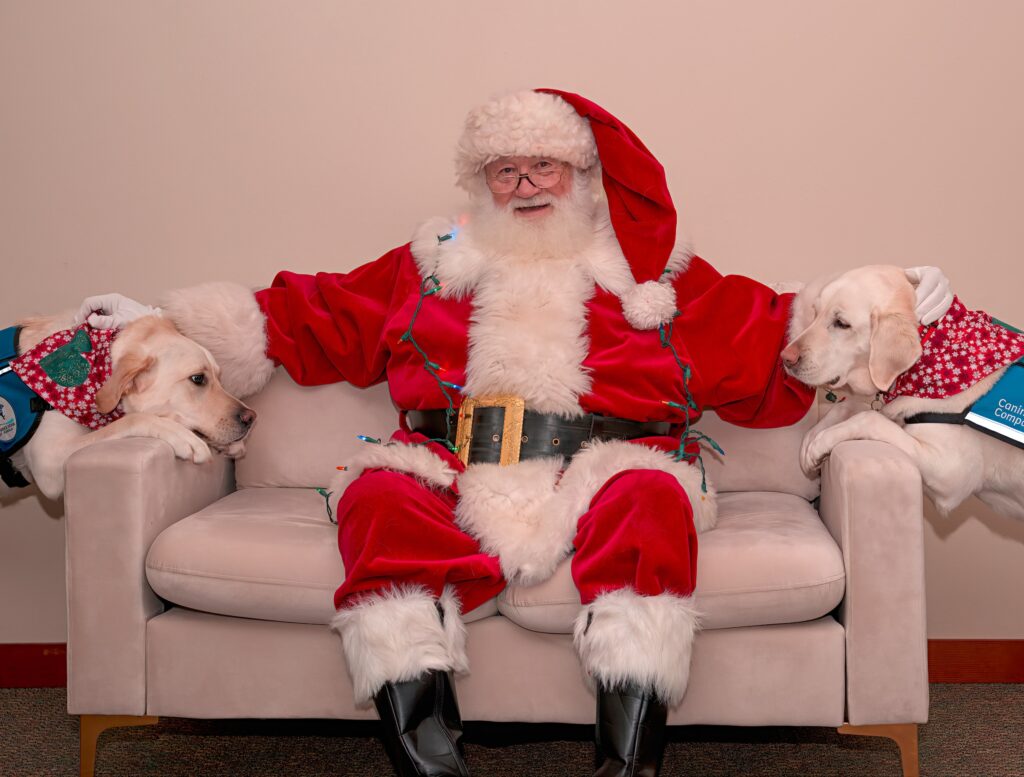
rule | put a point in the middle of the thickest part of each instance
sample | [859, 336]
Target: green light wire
[665, 333]
[430, 286]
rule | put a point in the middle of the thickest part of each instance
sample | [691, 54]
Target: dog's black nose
[246, 417]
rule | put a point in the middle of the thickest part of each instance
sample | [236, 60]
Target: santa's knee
[652, 503]
[382, 499]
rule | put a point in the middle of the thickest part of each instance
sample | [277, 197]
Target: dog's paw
[813, 453]
[200, 452]
[187, 445]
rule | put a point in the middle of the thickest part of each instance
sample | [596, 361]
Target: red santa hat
[570, 128]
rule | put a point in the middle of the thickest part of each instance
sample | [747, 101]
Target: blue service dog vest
[21, 409]
[999, 412]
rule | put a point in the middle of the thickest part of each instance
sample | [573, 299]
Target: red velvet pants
[637, 532]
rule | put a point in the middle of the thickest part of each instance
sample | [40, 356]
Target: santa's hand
[112, 311]
[933, 293]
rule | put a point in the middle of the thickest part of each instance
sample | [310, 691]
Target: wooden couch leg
[90, 728]
[904, 734]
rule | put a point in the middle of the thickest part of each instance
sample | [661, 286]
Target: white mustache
[534, 201]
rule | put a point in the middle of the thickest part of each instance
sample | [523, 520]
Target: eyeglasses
[543, 174]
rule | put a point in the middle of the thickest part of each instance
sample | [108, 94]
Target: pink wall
[149, 145]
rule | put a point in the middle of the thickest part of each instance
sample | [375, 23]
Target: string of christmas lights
[681, 454]
[430, 286]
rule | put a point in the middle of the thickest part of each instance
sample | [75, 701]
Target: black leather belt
[543, 434]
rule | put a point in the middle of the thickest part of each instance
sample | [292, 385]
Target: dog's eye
[840, 324]
[199, 379]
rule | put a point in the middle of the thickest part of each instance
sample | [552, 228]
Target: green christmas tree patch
[66, 366]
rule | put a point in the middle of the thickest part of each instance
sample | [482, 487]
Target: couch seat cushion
[271, 553]
[769, 560]
[266, 553]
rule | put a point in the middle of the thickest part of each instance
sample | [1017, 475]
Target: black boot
[630, 734]
[422, 726]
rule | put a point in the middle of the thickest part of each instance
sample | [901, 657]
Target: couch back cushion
[303, 433]
[759, 459]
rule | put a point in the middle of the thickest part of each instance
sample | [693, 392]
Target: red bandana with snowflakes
[67, 369]
[963, 347]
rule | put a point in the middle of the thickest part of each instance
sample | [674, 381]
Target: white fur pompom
[649, 304]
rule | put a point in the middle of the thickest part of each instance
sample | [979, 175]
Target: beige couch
[203, 591]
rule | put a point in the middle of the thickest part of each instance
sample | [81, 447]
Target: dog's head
[156, 369]
[855, 331]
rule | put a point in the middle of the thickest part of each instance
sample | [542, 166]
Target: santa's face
[523, 219]
[530, 199]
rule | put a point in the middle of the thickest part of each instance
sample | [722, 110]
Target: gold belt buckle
[511, 434]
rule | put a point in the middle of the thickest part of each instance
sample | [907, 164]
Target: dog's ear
[122, 380]
[894, 347]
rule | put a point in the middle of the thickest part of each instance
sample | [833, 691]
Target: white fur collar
[442, 248]
[445, 247]
[528, 332]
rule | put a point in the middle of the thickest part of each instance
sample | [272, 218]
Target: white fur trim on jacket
[225, 319]
[416, 460]
[528, 334]
[461, 266]
[624, 638]
[525, 123]
[517, 515]
[591, 468]
[526, 515]
[456, 262]
[399, 635]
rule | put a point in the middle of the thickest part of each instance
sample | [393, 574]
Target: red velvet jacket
[349, 326]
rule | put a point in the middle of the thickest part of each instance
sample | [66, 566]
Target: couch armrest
[872, 503]
[119, 495]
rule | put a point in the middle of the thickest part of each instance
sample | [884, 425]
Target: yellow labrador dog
[857, 333]
[166, 386]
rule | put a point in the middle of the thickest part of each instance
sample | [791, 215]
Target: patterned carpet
[975, 731]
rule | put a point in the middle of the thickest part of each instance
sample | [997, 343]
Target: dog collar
[67, 369]
[959, 350]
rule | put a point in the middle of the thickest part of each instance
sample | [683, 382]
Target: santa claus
[548, 351]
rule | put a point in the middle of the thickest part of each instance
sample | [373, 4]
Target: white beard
[567, 230]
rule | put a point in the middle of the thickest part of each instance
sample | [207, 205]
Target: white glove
[933, 293]
[112, 311]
